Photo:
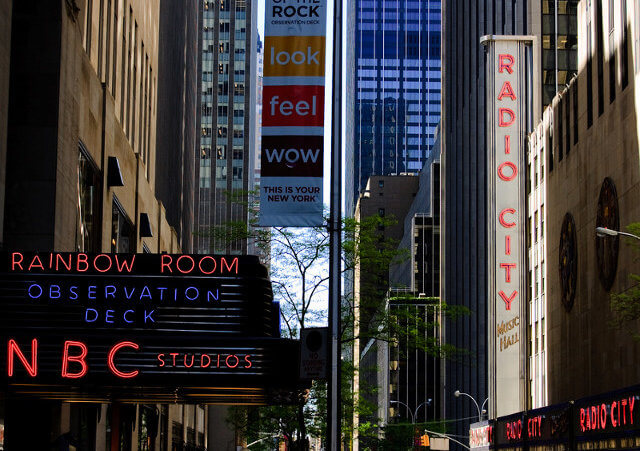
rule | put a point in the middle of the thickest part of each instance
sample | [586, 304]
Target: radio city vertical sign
[509, 108]
[293, 113]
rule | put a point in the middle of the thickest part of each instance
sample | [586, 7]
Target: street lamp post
[603, 231]
[413, 417]
[457, 394]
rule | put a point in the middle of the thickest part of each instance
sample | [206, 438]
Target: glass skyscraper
[393, 90]
[227, 118]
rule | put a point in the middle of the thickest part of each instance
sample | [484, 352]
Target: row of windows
[566, 115]
[137, 80]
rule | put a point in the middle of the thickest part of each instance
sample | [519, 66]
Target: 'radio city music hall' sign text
[506, 101]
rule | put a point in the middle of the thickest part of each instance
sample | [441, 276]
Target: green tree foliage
[298, 262]
[625, 305]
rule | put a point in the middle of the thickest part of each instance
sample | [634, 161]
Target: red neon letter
[202, 365]
[60, 259]
[82, 258]
[160, 359]
[504, 223]
[167, 264]
[507, 144]
[510, 165]
[14, 348]
[505, 61]
[33, 263]
[223, 262]
[613, 418]
[213, 260]
[128, 265]
[632, 401]
[16, 262]
[507, 267]
[95, 262]
[507, 245]
[66, 358]
[501, 121]
[227, 361]
[246, 359]
[112, 353]
[507, 91]
[508, 300]
[193, 264]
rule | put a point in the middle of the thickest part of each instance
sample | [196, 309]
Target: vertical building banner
[509, 117]
[292, 150]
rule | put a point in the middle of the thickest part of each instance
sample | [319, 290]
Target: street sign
[313, 353]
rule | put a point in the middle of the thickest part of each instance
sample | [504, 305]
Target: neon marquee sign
[144, 319]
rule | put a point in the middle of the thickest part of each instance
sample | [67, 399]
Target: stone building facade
[591, 166]
[78, 114]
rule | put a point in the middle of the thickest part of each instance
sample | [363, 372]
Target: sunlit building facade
[228, 67]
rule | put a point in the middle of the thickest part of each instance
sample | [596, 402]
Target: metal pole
[335, 243]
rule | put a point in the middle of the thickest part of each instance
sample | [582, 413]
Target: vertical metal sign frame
[512, 101]
[335, 244]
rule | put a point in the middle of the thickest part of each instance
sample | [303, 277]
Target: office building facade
[414, 374]
[593, 180]
[559, 31]
[178, 114]
[227, 119]
[464, 231]
[82, 175]
[393, 89]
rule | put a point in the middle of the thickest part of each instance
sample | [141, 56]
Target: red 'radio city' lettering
[598, 416]
[534, 427]
[301, 106]
[507, 172]
[514, 430]
[73, 352]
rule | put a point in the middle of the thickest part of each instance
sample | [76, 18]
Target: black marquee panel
[189, 328]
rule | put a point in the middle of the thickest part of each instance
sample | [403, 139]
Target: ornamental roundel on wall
[607, 246]
[568, 263]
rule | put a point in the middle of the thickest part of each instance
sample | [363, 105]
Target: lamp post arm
[413, 418]
[447, 437]
[418, 408]
[483, 404]
[629, 235]
[475, 402]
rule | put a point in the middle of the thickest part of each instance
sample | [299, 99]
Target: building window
[575, 111]
[612, 52]
[625, 45]
[560, 129]
[89, 223]
[589, 66]
[550, 143]
[567, 116]
[636, 24]
[381, 184]
[381, 212]
[123, 237]
[600, 55]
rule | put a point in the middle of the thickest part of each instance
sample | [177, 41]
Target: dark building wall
[5, 58]
[464, 189]
[178, 106]
[33, 125]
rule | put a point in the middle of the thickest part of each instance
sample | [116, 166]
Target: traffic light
[424, 440]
